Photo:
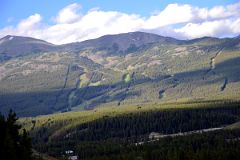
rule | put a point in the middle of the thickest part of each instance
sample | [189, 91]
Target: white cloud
[172, 14]
[218, 28]
[30, 22]
[68, 14]
[71, 25]
[27, 27]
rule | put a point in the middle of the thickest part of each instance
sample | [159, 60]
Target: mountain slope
[90, 74]
[121, 43]
[13, 46]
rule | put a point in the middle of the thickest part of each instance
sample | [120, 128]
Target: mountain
[121, 43]
[238, 37]
[136, 68]
[14, 46]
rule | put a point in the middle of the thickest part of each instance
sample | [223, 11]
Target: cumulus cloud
[68, 14]
[27, 27]
[217, 28]
[176, 20]
[30, 22]
[172, 14]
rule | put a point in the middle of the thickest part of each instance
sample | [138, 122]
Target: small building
[69, 152]
[153, 135]
[73, 157]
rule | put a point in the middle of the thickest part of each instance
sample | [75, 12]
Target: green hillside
[116, 70]
[61, 123]
[111, 132]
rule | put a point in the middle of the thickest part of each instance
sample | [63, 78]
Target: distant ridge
[121, 43]
[13, 46]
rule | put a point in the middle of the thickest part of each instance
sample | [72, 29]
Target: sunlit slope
[60, 123]
[126, 69]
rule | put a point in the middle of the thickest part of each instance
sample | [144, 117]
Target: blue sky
[43, 16]
[14, 10]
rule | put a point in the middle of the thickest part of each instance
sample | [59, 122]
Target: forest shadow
[44, 102]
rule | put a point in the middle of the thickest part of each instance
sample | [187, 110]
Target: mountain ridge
[117, 70]
[123, 42]
[11, 45]
[119, 43]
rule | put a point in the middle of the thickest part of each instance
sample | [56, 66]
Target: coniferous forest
[127, 136]
[15, 143]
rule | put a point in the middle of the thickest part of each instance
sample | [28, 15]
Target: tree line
[111, 134]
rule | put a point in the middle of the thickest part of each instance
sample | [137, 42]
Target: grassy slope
[41, 84]
[58, 124]
[234, 126]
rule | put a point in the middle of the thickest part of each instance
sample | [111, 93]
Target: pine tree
[13, 145]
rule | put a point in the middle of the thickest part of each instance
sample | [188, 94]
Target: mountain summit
[14, 46]
[121, 43]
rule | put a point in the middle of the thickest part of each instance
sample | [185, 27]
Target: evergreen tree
[13, 145]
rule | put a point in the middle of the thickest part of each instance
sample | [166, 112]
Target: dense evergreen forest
[223, 145]
[116, 137]
[13, 145]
